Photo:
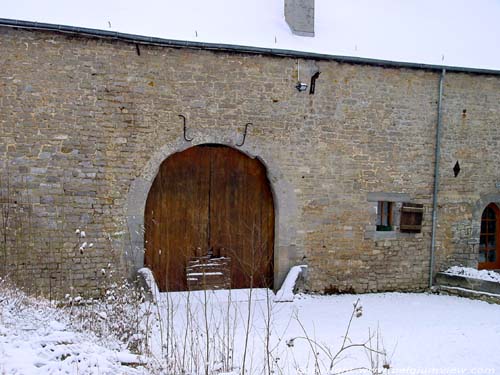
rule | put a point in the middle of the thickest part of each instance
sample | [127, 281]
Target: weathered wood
[210, 200]
[208, 273]
[242, 217]
[176, 217]
[411, 217]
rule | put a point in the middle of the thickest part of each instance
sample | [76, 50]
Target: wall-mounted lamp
[301, 86]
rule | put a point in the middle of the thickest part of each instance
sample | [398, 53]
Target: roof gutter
[437, 157]
[133, 38]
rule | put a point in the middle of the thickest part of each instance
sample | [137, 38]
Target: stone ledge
[467, 293]
[389, 197]
[478, 285]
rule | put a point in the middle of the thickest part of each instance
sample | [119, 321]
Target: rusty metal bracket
[184, 122]
[244, 135]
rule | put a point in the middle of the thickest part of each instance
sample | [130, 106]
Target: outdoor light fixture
[301, 86]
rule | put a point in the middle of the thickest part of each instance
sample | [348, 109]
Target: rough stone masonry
[85, 123]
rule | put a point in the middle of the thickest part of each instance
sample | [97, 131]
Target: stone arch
[285, 205]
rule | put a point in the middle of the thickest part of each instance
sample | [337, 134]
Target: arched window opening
[489, 254]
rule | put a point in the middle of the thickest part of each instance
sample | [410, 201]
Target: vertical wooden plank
[267, 214]
[176, 217]
[241, 217]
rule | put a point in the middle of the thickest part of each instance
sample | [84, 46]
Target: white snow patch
[473, 273]
[35, 339]
[129, 358]
[447, 331]
[285, 294]
[57, 326]
[150, 281]
[205, 273]
[452, 335]
[470, 291]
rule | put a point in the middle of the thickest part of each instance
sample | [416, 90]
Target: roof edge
[133, 38]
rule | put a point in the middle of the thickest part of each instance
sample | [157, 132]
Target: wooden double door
[214, 201]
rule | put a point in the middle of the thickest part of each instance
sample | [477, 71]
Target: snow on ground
[419, 334]
[474, 274]
[36, 338]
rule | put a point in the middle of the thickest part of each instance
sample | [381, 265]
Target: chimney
[299, 14]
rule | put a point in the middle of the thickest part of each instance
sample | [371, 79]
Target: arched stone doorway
[489, 239]
[210, 202]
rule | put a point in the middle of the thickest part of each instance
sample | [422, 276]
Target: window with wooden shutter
[411, 217]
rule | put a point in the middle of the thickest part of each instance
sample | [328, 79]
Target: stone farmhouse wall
[86, 122]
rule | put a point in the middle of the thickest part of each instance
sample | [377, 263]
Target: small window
[384, 216]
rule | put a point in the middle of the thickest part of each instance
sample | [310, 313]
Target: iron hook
[244, 134]
[184, 121]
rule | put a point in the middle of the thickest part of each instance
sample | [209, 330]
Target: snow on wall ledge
[473, 273]
[440, 33]
[286, 292]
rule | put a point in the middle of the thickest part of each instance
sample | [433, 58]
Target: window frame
[385, 216]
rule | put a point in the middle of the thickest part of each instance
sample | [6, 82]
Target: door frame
[492, 265]
[286, 252]
[477, 212]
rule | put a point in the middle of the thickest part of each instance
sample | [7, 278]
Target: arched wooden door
[489, 241]
[210, 201]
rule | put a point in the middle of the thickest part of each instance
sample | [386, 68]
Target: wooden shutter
[411, 217]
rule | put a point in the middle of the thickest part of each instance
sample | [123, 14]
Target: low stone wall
[477, 285]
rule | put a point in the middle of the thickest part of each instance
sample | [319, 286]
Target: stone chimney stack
[299, 15]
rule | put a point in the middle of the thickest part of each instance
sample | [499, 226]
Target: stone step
[467, 293]
[467, 283]
[457, 285]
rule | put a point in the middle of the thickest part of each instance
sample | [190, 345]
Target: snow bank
[35, 338]
[421, 333]
[285, 294]
[473, 273]
[149, 279]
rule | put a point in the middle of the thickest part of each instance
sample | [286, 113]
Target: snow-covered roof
[438, 32]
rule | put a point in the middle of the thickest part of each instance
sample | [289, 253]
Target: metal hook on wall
[244, 134]
[184, 121]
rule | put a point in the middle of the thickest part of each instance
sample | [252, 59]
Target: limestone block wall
[85, 124]
[471, 136]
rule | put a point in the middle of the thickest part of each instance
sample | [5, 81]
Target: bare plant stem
[310, 342]
[228, 333]
[247, 328]
[207, 330]
[268, 332]
[183, 362]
